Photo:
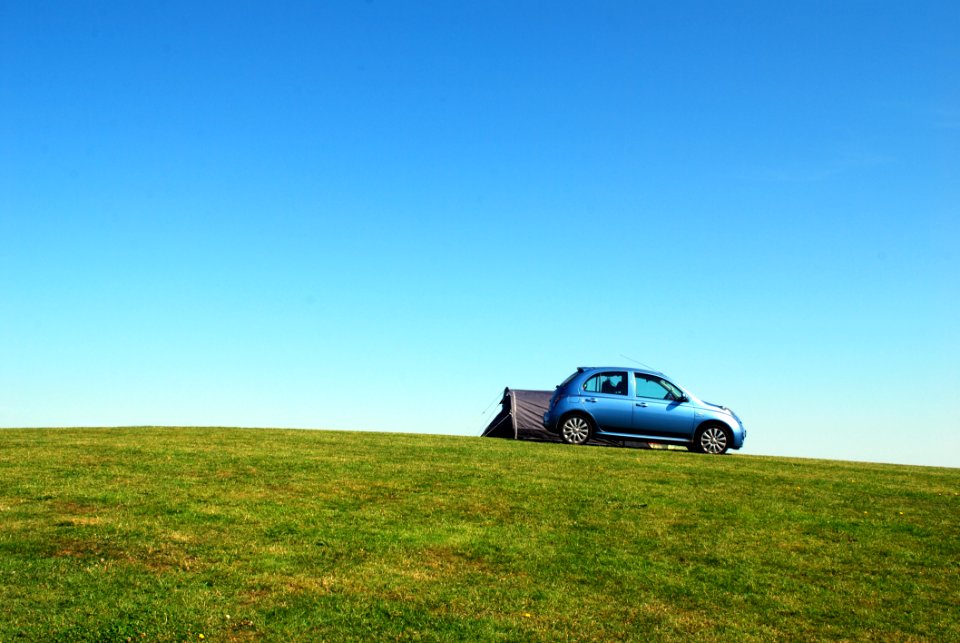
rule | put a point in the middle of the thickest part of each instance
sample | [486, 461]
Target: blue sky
[376, 215]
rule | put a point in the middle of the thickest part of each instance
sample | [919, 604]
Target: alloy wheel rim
[576, 430]
[713, 440]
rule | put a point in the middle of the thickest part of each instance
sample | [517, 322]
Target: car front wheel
[575, 429]
[712, 439]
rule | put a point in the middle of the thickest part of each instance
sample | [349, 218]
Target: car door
[660, 409]
[605, 398]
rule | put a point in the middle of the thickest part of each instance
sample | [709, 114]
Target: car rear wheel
[575, 429]
[712, 439]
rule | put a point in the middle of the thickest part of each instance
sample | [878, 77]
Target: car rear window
[567, 381]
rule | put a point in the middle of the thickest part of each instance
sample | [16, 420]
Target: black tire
[576, 429]
[712, 439]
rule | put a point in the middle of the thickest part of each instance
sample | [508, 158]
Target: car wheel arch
[579, 414]
[712, 423]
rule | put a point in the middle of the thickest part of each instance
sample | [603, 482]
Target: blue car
[634, 404]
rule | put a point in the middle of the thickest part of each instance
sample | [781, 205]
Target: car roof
[620, 368]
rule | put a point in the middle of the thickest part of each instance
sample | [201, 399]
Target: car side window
[614, 383]
[653, 387]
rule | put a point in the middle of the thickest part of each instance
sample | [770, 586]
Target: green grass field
[240, 534]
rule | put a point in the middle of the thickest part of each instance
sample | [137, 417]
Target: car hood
[710, 406]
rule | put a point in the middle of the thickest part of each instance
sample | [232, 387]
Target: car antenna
[647, 366]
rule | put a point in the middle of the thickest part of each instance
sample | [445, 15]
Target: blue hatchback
[641, 405]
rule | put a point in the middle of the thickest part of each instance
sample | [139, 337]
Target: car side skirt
[641, 437]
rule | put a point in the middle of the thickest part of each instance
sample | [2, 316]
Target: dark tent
[521, 418]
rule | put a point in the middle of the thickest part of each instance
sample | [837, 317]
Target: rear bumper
[549, 422]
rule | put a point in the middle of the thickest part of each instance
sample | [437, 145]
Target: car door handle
[590, 399]
[643, 404]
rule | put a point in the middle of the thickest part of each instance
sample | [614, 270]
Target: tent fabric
[521, 418]
[501, 426]
[528, 410]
